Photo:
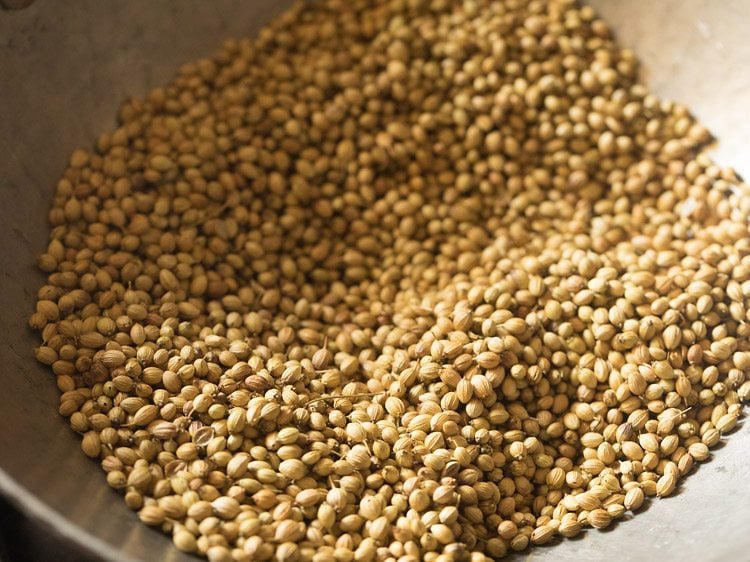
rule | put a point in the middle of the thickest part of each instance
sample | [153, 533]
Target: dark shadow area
[23, 540]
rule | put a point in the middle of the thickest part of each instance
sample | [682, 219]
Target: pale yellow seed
[634, 499]
[665, 485]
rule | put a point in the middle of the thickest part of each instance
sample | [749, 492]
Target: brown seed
[289, 531]
[293, 469]
[184, 541]
[665, 485]
[94, 340]
[168, 280]
[91, 444]
[139, 478]
[634, 499]
[699, 451]
[599, 518]
[112, 358]
[307, 498]
[225, 507]
[145, 415]
[587, 501]
[161, 163]
[151, 515]
[726, 423]
[569, 528]
[46, 355]
[632, 450]
[321, 358]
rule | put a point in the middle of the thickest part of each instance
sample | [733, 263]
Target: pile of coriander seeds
[398, 281]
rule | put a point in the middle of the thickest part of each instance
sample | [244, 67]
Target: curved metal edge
[32, 507]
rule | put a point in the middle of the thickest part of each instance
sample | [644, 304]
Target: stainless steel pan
[65, 67]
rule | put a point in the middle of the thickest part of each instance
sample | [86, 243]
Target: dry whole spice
[393, 267]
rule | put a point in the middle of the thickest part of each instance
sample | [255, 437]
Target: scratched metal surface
[64, 68]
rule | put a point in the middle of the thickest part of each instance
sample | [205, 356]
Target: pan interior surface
[66, 68]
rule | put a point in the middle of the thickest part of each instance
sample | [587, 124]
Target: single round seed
[184, 541]
[599, 518]
[665, 485]
[634, 499]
